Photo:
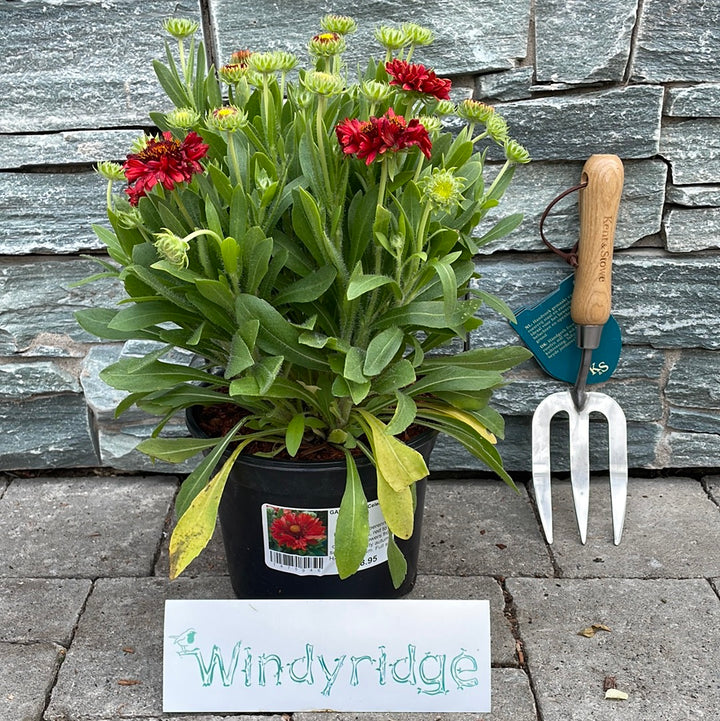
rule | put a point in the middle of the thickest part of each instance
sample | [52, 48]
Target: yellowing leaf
[467, 418]
[397, 507]
[195, 527]
[399, 465]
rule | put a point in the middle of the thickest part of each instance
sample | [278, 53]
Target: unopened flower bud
[110, 170]
[375, 92]
[286, 61]
[266, 63]
[391, 38]
[233, 73]
[418, 35]
[432, 123]
[326, 45]
[228, 119]
[497, 128]
[340, 24]
[475, 112]
[323, 83]
[444, 107]
[515, 152]
[443, 189]
[180, 27]
[129, 218]
[184, 118]
[240, 57]
[173, 248]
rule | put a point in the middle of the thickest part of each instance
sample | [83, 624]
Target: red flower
[296, 530]
[163, 160]
[418, 78]
[377, 136]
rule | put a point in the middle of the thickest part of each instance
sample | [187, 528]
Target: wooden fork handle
[598, 204]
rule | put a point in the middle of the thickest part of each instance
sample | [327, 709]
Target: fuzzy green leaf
[353, 526]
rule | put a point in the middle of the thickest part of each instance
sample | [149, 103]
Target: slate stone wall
[638, 78]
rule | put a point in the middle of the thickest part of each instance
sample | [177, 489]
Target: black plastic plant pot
[278, 518]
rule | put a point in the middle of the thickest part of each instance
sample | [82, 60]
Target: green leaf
[398, 375]
[353, 526]
[456, 379]
[96, 321]
[309, 288]
[354, 361]
[496, 304]
[240, 357]
[404, 415]
[294, 433]
[216, 292]
[365, 283]
[484, 359]
[396, 562]
[174, 450]
[382, 349]
[144, 315]
[276, 335]
[501, 229]
[126, 376]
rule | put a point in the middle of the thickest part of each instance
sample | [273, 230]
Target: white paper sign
[282, 655]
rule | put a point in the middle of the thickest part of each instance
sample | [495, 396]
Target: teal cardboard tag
[549, 332]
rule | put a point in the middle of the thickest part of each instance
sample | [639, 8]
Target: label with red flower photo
[300, 540]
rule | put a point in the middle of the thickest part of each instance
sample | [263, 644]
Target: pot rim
[267, 462]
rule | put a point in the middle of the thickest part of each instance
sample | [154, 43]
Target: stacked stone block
[637, 78]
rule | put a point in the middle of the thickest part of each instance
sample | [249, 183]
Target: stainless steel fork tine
[541, 463]
[580, 467]
[617, 442]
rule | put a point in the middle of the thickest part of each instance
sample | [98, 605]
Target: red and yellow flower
[165, 160]
[377, 136]
[417, 78]
[296, 530]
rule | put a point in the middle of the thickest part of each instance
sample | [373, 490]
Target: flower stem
[320, 132]
[495, 182]
[184, 210]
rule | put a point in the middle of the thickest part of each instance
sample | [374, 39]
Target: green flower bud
[267, 63]
[340, 24]
[180, 27]
[233, 73]
[515, 152]
[184, 118]
[444, 107]
[286, 61]
[391, 38]
[497, 128]
[326, 45]
[323, 83]
[110, 170]
[475, 111]
[418, 35]
[227, 119]
[129, 218]
[173, 248]
[376, 92]
[432, 123]
[443, 189]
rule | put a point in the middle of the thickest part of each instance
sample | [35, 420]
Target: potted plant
[308, 239]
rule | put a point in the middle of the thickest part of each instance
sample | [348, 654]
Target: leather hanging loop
[569, 256]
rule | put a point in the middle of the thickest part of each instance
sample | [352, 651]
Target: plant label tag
[342, 655]
[549, 332]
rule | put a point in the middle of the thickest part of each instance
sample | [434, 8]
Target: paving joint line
[66, 649]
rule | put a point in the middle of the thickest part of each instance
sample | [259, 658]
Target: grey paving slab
[114, 666]
[664, 635]
[28, 672]
[475, 587]
[83, 527]
[481, 528]
[24, 604]
[672, 530]
[511, 700]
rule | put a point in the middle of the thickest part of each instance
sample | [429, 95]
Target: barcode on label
[291, 561]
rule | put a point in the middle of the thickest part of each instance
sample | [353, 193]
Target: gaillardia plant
[310, 240]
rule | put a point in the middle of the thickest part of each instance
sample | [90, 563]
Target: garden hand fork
[590, 309]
